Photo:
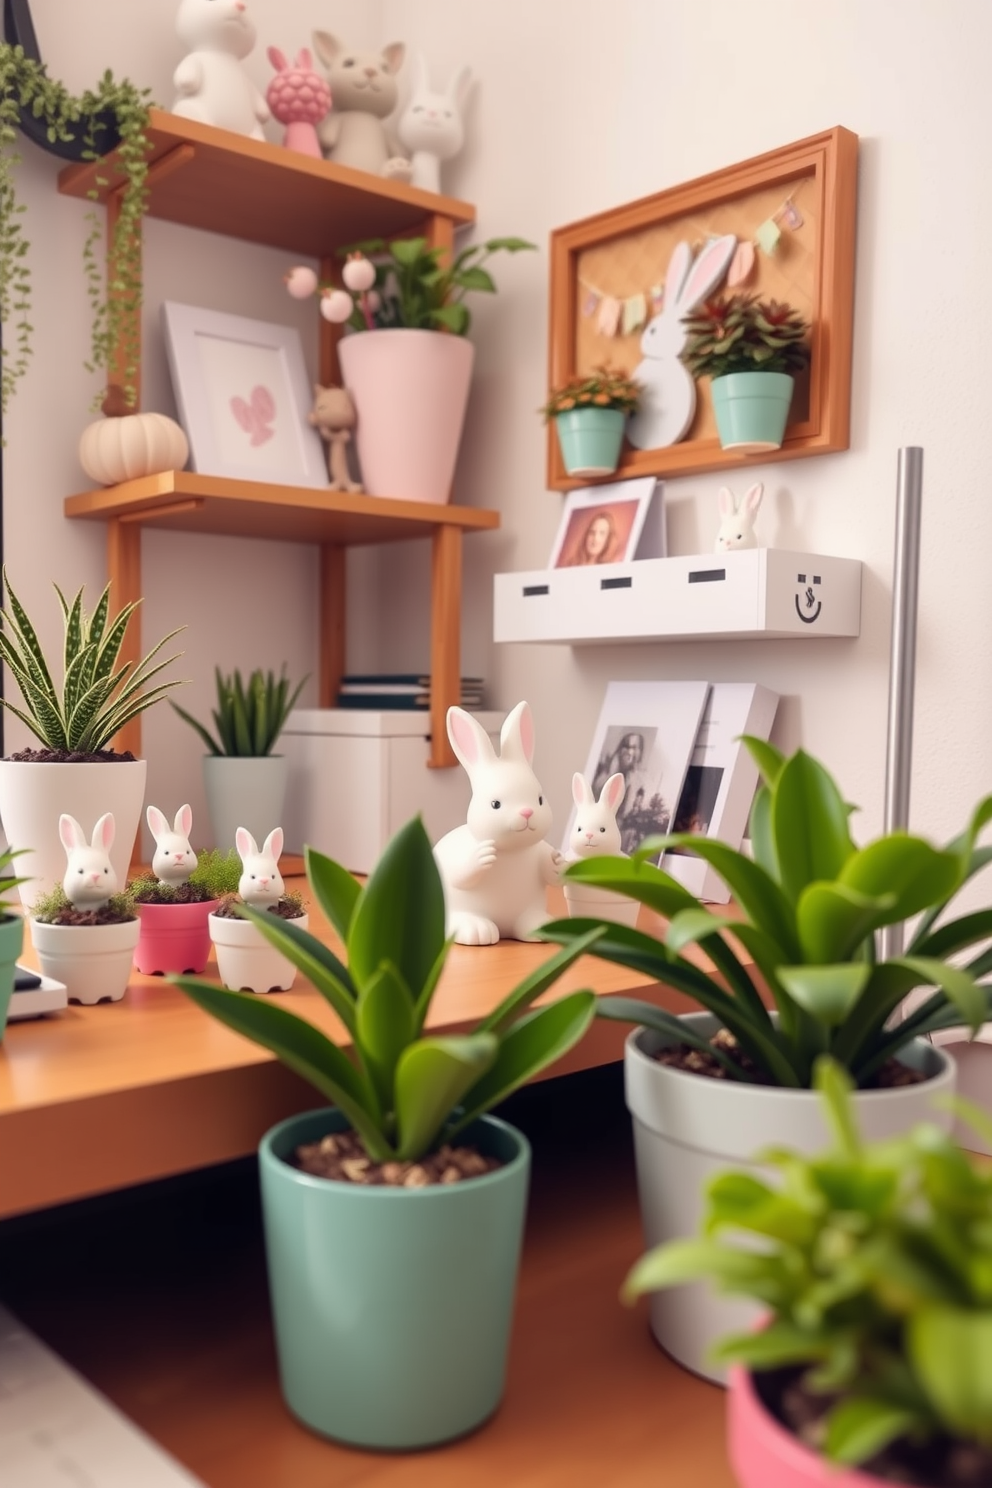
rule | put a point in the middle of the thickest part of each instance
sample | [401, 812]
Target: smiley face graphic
[808, 603]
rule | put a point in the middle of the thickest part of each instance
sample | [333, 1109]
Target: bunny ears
[749, 502]
[611, 795]
[248, 847]
[158, 823]
[73, 837]
[473, 746]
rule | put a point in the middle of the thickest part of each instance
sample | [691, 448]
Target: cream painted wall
[572, 115]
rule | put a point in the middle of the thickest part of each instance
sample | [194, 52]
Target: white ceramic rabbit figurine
[90, 878]
[668, 399]
[430, 126]
[737, 518]
[210, 84]
[596, 831]
[496, 868]
[261, 882]
[174, 859]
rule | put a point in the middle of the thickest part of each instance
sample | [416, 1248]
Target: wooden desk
[107, 1096]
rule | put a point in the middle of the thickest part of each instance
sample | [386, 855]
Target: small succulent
[97, 698]
[248, 718]
[603, 387]
[740, 333]
[405, 1090]
[874, 1264]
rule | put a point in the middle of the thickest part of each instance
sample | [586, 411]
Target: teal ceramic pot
[752, 409]
[590, 439]
[392, 1306]
[11, 941]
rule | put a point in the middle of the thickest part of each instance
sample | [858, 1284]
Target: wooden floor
[158, 1296]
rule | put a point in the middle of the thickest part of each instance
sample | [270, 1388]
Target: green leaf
[960, 987]
[827, 993]
[300, 1046]
[453, 317]
[309, 955]
[743, 1202]
[905, 868]
[835, 1085]
[768, 759]
[731, 1270]
[675, 1029]
[212, 746]
[335, 889]
[833, 920]
[538, 981]
[475, 278]
[406, 251]
[809, 823]
[762, 838]
[384, 1027]
[432, 1076]
[399, 916]
[530, 1046]
[860, 1426]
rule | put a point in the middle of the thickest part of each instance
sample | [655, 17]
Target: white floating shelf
[743, 595]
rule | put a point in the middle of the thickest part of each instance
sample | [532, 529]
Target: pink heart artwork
[256, 416]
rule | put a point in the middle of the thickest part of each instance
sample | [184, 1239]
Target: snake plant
[248, 718]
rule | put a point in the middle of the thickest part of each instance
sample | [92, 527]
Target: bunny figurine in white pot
[430, 127]
[667, 401]
[595, 833]
[737, 518]
[497, 867]
[246, 960]
[211, 86]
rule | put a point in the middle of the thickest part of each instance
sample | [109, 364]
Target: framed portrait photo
[611, 523]
[243, 396]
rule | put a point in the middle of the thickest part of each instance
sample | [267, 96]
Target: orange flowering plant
[603, 387]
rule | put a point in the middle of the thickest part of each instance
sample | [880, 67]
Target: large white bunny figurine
[667, 402]
[174, 859]
[496, 868]
[90, 878]
[430, 126]
[595, 833]
[211, 86]
[261, 882]
[737, 518]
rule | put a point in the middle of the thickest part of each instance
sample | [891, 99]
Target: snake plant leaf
[400, 914]
[673, 1029]
[73, 640]
[110, 647]
[956, 935]
[834, 919]
[33, 658]
[905, 867]
[336, 890]
[300, 1046]
[531, 1045]
[310, 956]
[809, 819]
[827, 993]
[212, 746]
[432, 1076]
[97, 623]
[538, 981]
[951, 1352]
[383, 1027]
[861, 1425]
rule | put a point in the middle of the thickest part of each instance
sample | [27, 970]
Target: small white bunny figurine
[210, 83]
[667, 402]
[430, 126]
[261, 882]
[496, 868]
[737, 518]
[90, 878]
[174, 859]
[596, 830]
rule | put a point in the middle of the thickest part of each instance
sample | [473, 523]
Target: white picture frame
[632, 525]
[647, 732]
[243, 396]
[721, 780]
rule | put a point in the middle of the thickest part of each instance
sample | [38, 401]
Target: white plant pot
[585, 902]
[688, 1128]
[248, 792]
[94, 961]
[34, 795]
[245, 959]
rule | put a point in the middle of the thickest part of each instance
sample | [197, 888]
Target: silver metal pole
[902, 659]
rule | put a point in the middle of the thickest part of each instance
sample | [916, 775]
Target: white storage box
[355, 777]
[747, 593]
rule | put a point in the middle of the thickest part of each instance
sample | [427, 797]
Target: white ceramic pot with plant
[244, 781]
[246, 960]
[75, 771]
[751, 350]
[811, 903]
[83, 930]
[869, 1263]
[409, 382]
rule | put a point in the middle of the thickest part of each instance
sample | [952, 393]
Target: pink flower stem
[369, 322]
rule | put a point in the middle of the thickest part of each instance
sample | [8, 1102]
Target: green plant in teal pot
[392, 1282]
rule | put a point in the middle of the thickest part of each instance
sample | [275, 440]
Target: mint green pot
[392, 1306]
[11, 941]
[752, 409]
[590, 439]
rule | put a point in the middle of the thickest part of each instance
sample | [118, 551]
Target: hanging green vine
[115, 299]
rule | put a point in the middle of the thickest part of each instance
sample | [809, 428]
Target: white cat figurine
[496, 868]
[211, 85]
[430, 127]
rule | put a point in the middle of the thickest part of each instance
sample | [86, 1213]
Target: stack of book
[378, 690]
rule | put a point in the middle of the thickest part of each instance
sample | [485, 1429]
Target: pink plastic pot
[174, 937]
[764, 1455]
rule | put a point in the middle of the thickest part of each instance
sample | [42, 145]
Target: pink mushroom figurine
[299, 98]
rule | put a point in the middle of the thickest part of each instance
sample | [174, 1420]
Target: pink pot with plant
[764, 1455]
[173, 937]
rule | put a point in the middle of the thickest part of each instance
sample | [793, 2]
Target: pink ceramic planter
[174, 937]
[764, 1455]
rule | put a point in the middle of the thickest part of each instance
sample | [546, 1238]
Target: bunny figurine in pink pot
[299, 98]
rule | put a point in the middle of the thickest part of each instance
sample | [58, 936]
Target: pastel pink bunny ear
[728, 506]
[184, 820]
[516, 738]
[157, 824]
[613, 792]
[304, 59]
[272, 846]
[278, 59]
[752, 497]
[71, 834]
[581, 794]
[706, 272]
[468, 738]
[103, 832]
[245, 843]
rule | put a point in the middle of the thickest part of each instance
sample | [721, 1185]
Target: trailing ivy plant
[115, 299]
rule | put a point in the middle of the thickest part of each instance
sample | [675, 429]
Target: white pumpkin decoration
[129, 445]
